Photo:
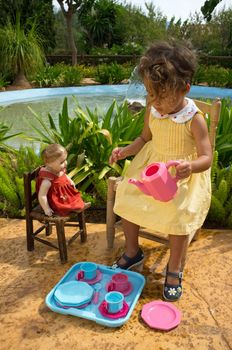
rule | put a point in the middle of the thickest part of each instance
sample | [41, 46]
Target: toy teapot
[157, 181]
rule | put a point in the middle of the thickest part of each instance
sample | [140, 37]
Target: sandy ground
[27, 277]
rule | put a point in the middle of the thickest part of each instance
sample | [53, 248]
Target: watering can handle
[173, 163]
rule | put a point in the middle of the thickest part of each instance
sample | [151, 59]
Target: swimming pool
[11, 97]
[49, 100]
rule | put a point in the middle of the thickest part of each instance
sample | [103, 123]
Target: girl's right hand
[118, 153]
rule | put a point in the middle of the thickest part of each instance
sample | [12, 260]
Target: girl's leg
[178, 250]
[131, 232]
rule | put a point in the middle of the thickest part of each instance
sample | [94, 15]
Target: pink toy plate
[125, 293]
[161, 315]
[122, 313]
[94, 280]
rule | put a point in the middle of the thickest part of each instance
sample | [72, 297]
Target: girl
[174, 129]
[56, 191]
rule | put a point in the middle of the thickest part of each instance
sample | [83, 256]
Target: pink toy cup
[119, 282]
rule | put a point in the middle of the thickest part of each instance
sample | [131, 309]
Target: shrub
[111, 74]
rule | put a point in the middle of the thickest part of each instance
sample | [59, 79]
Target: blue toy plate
[91, 311]
[73, 293]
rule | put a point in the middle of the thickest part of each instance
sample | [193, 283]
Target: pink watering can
[157, 181]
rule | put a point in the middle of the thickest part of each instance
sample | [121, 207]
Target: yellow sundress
[171, 140]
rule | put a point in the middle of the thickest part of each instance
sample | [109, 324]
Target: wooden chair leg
[61, 241]
[30, 239]
[48, 229]
[81, 218]
[110, 216]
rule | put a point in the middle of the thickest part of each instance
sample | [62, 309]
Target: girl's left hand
[184, 169]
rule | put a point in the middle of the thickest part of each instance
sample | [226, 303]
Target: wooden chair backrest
[213, 110]
[30, 196]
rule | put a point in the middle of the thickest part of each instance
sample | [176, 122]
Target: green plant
[88, 71]
[4, 136]
[12, 167]
[47, 76]
[213, 76]
[89, 138]
[111, 74]
[20, 52]
[221, 202]
[3, 81]
[58, 75]
[71, 76]
[224, 134]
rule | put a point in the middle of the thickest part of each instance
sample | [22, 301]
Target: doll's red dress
[63, 198]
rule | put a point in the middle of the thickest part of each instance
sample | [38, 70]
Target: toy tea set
[107, 296]
[97, 292]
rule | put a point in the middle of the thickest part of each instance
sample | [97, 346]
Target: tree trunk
[21, 81]
[71, 41]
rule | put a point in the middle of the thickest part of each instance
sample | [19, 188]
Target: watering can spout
[140, 185]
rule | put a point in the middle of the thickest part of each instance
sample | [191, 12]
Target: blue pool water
[15, 104]
[22, 96]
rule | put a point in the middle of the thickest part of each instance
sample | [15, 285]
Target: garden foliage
[220, 213]
[12, 167]
[89, 137]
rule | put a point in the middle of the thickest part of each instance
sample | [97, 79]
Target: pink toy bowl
[80, 277]
[161, 315]
[122, 313]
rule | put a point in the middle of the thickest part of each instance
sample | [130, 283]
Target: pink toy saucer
[122, 313]
[125, 293]
[92, 281]
[161, 315]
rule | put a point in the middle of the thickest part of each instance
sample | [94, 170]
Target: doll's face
[58, 164]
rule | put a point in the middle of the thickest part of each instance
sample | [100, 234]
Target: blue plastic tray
[91, 311]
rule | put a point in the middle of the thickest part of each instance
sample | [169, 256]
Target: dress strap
[44, 174]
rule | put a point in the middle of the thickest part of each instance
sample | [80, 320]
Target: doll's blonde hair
[52, 152]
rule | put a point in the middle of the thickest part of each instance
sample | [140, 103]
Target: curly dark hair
[168, 66]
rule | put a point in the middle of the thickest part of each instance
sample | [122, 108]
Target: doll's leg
[133, 255]
[173, 282]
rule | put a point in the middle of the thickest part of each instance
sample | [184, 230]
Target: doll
[56, 191]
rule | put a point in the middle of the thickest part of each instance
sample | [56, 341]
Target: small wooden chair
[210, 109]
[35, 212]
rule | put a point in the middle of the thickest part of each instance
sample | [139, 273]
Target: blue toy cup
[88, 270]
[114, 302]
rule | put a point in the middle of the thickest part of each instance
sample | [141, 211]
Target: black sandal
[173, 292]
[135, 262]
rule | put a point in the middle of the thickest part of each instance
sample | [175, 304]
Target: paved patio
[27, 277]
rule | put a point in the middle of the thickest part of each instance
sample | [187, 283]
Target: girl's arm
[132, 149]
[43, 199]
[204, 149]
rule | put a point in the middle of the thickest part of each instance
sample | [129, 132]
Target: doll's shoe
[173, 292]
[131, 263]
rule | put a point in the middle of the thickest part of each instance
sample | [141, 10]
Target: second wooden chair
[35, 212]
